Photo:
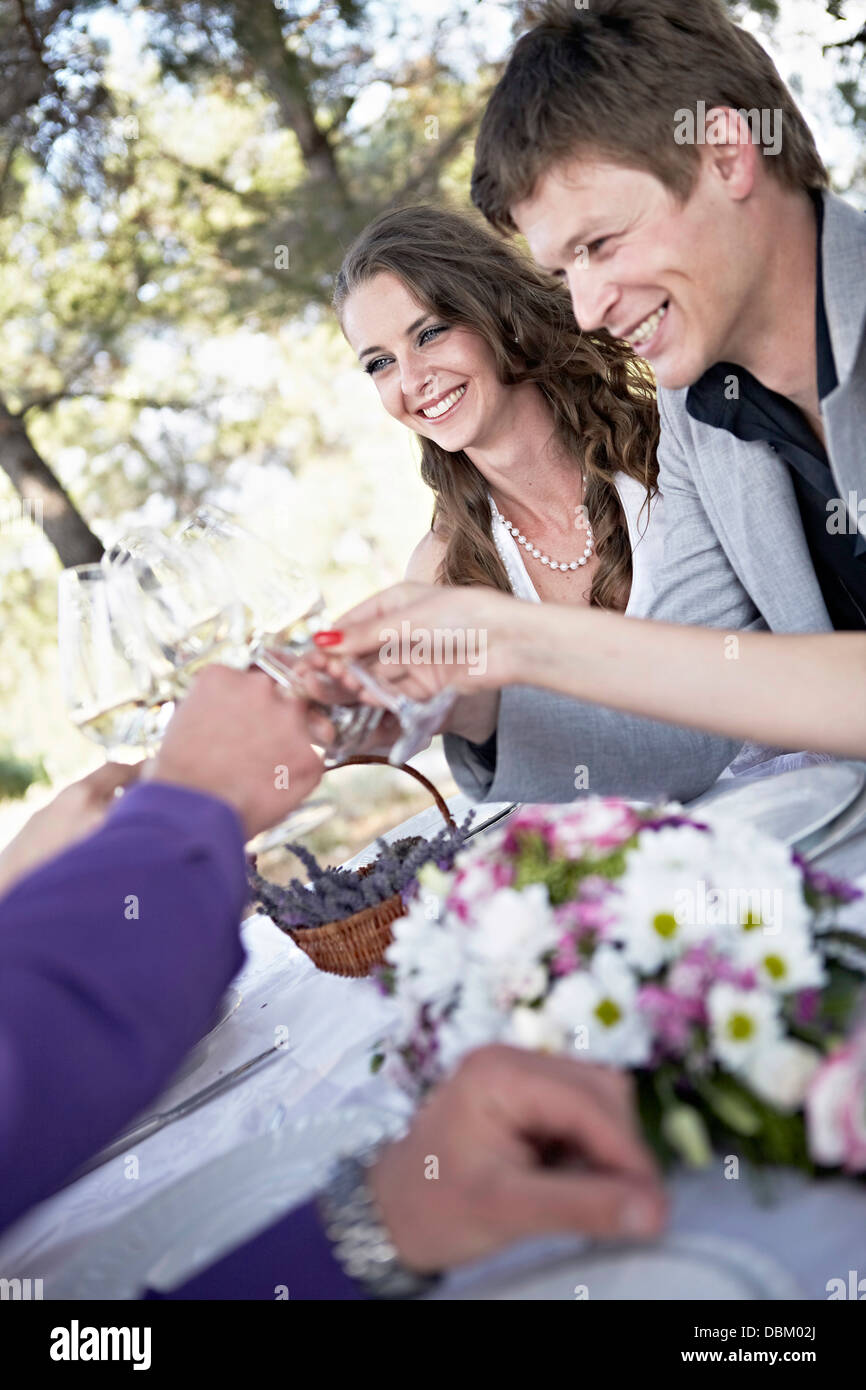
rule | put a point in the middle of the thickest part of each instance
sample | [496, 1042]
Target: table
[816, 1231]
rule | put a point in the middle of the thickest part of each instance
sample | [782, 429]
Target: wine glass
[287, 609]
[193, 615]
[187, 607]
[107, 684]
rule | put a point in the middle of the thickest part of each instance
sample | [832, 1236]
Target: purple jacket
[113, 958]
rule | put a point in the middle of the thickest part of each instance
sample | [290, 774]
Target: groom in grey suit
[693, 220]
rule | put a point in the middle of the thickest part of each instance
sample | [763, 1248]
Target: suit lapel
[844, 410]
[749, 498]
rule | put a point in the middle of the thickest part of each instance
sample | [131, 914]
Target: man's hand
[488, 1128]
[74, 813]
[239, 737]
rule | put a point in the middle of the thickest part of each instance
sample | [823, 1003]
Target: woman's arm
[803, 691]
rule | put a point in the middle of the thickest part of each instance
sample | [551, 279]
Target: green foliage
[18, 774]
[733, 1121]
[562, 876]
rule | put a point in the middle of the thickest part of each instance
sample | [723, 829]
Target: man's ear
[730, 151]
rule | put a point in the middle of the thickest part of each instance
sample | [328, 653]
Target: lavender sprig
[334, 894]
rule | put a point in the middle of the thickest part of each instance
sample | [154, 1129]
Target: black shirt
[762, 414]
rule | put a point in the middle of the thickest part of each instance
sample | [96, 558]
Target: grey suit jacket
[735, 558]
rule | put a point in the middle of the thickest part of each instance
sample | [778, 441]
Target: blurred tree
[191, 239]
[213, 186]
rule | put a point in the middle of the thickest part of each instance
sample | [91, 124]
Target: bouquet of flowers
[707, 958]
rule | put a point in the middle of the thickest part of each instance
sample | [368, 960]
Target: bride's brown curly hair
[600, 393]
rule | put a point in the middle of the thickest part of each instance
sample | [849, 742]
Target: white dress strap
[509, 553]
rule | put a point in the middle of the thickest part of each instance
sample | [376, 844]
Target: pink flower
[502, 873]
[700, 967]
[806, 1005]
[836, 1108]
[583, 918]
[672, 1017]
[476, 881]
[530, 820]
[566, 959]
[594, 827]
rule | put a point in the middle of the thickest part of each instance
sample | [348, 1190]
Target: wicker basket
[355, 944]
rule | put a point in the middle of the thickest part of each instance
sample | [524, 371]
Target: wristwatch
[359, 1238]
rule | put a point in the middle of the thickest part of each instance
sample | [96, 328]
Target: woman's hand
[420, 638]
[74, 813]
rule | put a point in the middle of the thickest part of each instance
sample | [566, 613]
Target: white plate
[791, 806]
[675, 1268]
[188, 1226]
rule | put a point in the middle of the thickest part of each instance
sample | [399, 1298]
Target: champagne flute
[107, 686]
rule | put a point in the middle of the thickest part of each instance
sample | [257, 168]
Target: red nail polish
[328, 638]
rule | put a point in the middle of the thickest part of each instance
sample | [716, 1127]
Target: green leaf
[731, 1103]
[684, 1128]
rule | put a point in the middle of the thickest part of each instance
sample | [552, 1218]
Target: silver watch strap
[359, 1237]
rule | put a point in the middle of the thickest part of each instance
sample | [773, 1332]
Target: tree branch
[846, 43]
[34, 481]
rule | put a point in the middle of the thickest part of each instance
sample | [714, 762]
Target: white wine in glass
[107, 686]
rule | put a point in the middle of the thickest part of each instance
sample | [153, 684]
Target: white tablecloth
[815, 1230]
[332, 1024]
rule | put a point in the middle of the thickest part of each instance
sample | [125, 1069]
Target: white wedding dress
[645, 521]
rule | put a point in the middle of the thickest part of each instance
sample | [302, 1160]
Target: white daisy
[597, 1008]
[429, 959]
[512, 932]
[742, 1023]
[756, 882]
[536, 1029]
[476, 1020]
[650, 921]
[782, 963]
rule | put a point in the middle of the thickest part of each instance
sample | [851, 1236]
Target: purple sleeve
[113, 958]
[291, 1259]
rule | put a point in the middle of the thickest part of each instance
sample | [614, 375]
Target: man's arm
[488, 1122]
[549, 747]
[112, 960]
[113, 955]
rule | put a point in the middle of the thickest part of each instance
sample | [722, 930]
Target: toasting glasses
[285, 609]
[134, 631]
[132, 634]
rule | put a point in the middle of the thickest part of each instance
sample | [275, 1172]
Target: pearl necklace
[534, 551]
